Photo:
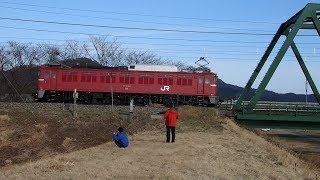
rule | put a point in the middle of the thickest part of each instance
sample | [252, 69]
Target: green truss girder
[304, 19]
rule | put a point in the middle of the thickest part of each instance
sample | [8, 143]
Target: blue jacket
[122, 137]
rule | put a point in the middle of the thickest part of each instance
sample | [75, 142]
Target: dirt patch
[204, 139]
[27, 136]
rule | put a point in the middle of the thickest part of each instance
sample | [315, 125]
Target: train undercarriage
[124, 98]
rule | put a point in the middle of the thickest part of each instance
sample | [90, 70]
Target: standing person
[171, 117]
[121, 138]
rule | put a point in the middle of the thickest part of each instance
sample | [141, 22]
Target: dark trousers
[119, 144]
[173, 132]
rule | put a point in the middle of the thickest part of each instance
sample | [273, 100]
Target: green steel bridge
[256, 113]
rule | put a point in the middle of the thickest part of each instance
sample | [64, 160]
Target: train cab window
[207, 80]
[215, 79]
[200, 79]
[46, 74]
[53, 75]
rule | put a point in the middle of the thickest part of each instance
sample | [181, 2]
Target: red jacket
[171, 117]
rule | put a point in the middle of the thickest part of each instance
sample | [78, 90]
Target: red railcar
[98, 85]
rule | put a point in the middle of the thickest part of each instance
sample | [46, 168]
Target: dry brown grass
[208, 147]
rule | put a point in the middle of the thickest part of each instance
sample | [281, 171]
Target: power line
[127, 20]
[136, 14]
[137, 28]
[133, 37]
[142, 29]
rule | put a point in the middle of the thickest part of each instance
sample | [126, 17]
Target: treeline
[19, 60]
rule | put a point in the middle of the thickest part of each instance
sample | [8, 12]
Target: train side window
[200, 79]
[94, 78]
[160, 81]
[151, 80]
[64, 77]
[184, 82]
[88, 78]
[131, 80]
[165, 81]
[189, 82]
[102, 79]
[53, 75]
[83, 78]
[69, 78]
[170, 81]
[179, 81]
[110, 78]
[127, 80]
[207, 80]
[46, 74]
[75, 78]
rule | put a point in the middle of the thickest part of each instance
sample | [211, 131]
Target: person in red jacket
[171, 117]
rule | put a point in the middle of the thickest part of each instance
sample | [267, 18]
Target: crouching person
[121, 138]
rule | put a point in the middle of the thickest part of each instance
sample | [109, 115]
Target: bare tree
[15, 53]
[73, 49]
[142, 57]
[107, 53]
[49, 53]
[4, 61]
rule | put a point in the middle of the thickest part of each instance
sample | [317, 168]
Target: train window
[94, 78]
[179, 81]
[200, 79]
[126, 78]
[170, 81]
[131, 80]
[184, 82]
[46, 74]
[106, 77]
[102, 79]
[75, 78]
[53, 74]
[88, 78]
[69, 78]
[146, 79]
[165, 81]
[140, 80]
[207, 80]
[83, 78]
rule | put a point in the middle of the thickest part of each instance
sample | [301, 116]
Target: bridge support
[307, 18]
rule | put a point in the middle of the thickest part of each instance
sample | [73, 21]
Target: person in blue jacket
[121, 138]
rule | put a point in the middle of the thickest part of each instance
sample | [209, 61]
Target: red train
[145, 86]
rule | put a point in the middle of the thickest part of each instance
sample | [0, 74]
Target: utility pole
[306, 91]
[111, 89]
[75, 96]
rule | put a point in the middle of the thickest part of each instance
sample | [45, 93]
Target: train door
[208, 88]
[200, 85]
[53, 80]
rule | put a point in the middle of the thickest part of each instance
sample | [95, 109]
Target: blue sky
[232, 57]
